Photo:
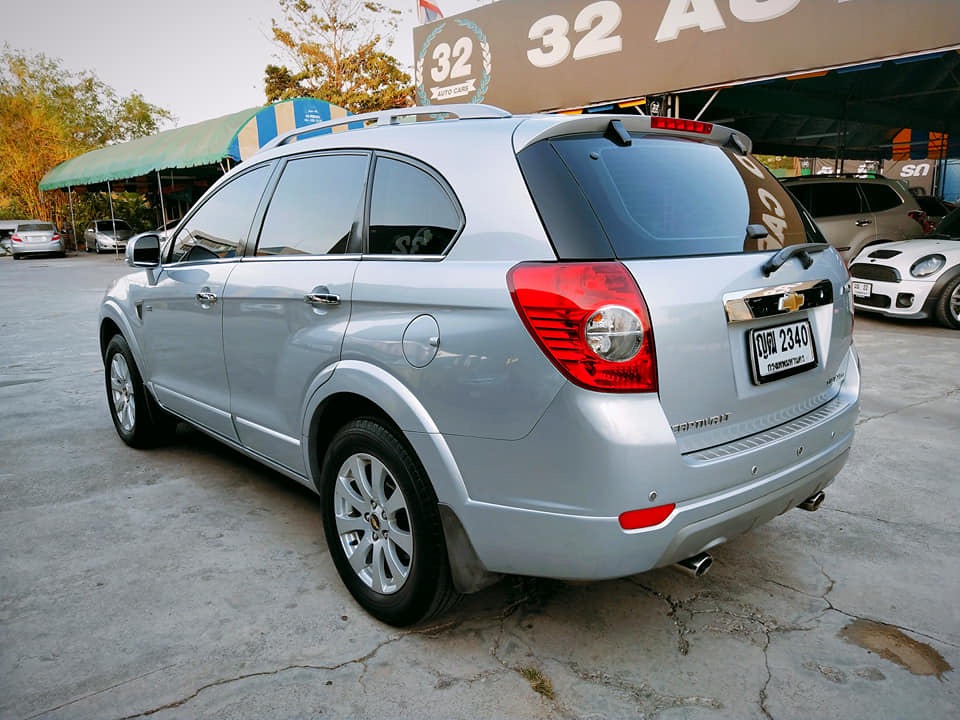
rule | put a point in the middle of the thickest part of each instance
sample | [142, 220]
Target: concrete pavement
[190, 582]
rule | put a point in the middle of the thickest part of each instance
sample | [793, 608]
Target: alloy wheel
[373, 523]
[121, 388]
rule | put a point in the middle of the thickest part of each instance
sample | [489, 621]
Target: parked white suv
[571, 347]
[854, 212]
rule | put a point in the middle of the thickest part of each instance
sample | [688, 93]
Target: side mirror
[144, 251]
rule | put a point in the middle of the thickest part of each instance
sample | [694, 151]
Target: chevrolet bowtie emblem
[791, 302]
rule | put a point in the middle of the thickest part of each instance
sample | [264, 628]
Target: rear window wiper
[802, 251]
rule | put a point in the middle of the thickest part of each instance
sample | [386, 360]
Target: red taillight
[648, 517]
[15, 238]
[921, 217]
[693, 126]
[590, 320]
[56, 236]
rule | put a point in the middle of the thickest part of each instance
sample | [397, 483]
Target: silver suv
[571, 347]
[854, 212]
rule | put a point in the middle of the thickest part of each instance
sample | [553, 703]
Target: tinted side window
[880, 197]
[315, 206]
[410, 212]
[840, 198]
[222, 223]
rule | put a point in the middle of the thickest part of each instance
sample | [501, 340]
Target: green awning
[235, 136]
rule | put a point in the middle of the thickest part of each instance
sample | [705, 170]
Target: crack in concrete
[676, 606]
[98, 692]
[948, 394]
[891, 523]
[647, 698]
[362, 660]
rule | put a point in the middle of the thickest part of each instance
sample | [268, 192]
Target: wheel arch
[354, 389]
[939, 288]
[113, 322]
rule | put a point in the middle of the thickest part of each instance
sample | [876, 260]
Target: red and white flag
[428, 11]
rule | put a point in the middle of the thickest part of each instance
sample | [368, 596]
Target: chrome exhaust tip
[812, 502]
[696, 565]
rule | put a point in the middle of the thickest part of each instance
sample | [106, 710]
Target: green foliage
[336, 49]
[49, 114]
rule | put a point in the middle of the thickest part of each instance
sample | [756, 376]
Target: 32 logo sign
[454, 65]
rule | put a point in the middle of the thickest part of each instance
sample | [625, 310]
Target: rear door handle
[321, 296]
[863, 223]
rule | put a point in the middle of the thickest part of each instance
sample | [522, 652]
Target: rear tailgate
[739, 353]
[694, 217]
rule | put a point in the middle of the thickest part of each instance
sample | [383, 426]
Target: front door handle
[206, 296]
[321, 296]
[863, 223]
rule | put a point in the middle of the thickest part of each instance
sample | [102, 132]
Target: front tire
[382, 525]
[138, 420]
[948, 306]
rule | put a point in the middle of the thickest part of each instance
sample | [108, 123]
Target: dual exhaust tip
[698, 565]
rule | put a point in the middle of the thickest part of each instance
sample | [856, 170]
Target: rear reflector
[693, 126]
[648, 517]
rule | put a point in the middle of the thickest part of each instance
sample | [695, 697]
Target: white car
[915, 279]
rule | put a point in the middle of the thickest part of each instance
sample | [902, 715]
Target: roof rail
[865, 175]
[395, 116]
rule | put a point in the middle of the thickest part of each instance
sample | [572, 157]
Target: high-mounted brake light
[669, 123]
[591, 322]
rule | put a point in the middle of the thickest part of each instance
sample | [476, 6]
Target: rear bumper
[754, 480]
[37, 248]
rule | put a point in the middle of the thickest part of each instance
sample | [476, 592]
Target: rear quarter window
[670, 197]
[880, 197]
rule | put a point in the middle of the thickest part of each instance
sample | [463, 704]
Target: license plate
[862, 289]
[783, 350]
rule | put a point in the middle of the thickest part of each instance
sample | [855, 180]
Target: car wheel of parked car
[948, 307]
[139, 422]
[383, 526]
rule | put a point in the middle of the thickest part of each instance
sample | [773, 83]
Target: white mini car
[916, 279]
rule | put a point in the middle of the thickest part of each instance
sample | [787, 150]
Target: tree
[49, 114]
[338, 52]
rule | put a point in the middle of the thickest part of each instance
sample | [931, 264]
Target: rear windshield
[35, 227]
[108, 225]
[669, 197]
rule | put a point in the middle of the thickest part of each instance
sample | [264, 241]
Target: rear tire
[140, 423]
[948, 306]
[383, 527]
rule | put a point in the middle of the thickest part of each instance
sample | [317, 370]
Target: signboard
[530, 55]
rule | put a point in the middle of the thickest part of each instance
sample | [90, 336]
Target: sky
[199, 59]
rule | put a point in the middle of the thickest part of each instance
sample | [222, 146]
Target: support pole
[73, 220]
[163, 211]
[113, 221]
[708, 103]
